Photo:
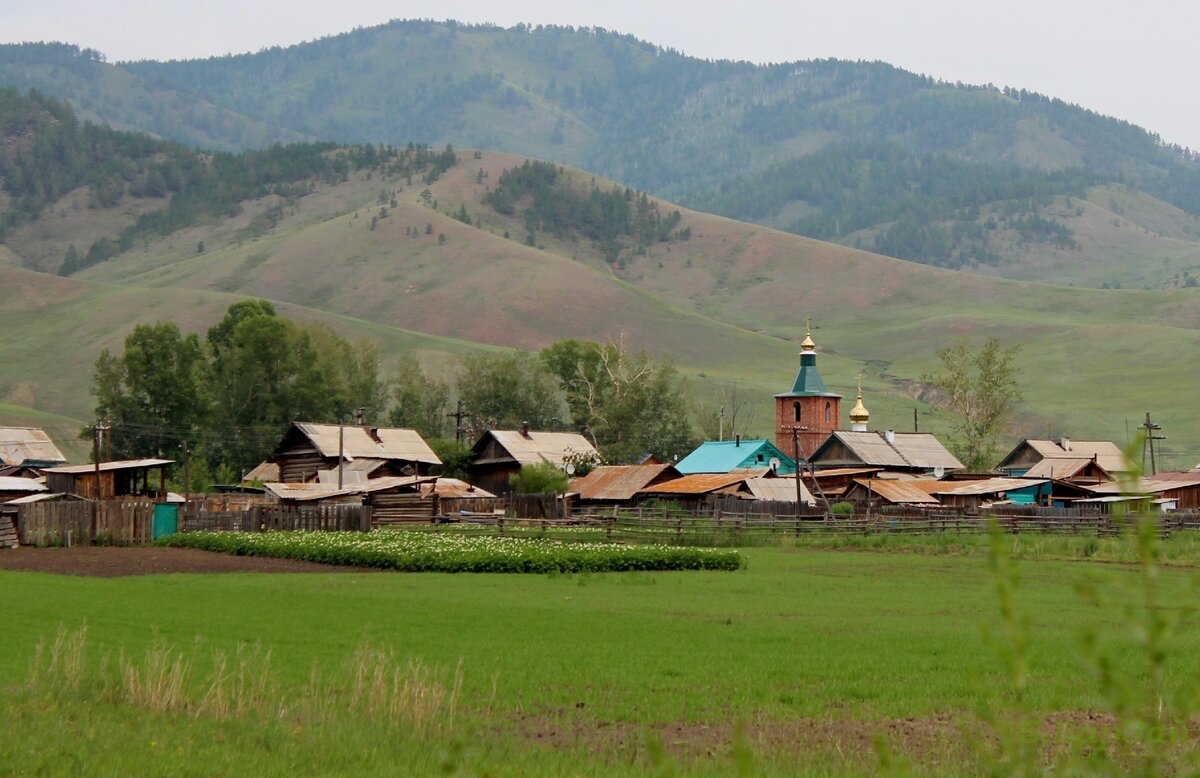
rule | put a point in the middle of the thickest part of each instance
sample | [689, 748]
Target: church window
[795, 411]
[828, 411]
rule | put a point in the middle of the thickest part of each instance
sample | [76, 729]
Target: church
[808, 428]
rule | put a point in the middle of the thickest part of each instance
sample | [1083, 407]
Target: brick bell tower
[806, 415]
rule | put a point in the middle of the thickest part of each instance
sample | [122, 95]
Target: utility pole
[108, 457]
[916, 428]
[1151, 429]
[721, 424]
[796, 451]
[97, 430]
[187, 477]
[458, 415]
[341, 452]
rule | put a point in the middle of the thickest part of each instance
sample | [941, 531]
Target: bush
[844, 509]
[544, 478]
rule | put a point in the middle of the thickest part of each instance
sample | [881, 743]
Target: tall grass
[374, 685]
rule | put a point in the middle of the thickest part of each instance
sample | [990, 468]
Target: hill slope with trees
[978, 177]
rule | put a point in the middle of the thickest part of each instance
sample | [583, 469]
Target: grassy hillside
[858, 153]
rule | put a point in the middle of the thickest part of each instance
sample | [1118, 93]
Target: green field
[810, 661]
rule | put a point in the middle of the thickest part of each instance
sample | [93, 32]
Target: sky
[1135, 61]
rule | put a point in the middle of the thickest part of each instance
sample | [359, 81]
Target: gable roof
[1062, 467]
[533, 447]
[318, 491]
[367, 442]
[619, 482]
[1106, 453]
[920, 450]
[724, 456]
[20, 444]
[988, 486]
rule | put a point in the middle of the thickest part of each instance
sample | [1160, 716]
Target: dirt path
[113, 562]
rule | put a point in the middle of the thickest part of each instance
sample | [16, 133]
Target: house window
[828, 411]
[795, 411]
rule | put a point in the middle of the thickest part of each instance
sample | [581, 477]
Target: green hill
[860, 153]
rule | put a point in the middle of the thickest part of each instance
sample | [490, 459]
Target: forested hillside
[861, 153]
[47, 153]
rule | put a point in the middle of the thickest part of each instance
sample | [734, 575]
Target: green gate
[166, 520]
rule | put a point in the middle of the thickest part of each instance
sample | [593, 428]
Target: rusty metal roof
[900, 492]
[697, 483]
[20, 444]
[359, 443]
[123, 464]
[264, 471]
[619, 482]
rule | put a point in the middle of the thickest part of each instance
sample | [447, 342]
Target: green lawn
[589, 674]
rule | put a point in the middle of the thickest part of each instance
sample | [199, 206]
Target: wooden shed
[124, 478]
[500, 454]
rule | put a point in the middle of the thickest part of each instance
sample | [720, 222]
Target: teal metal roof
[808, 381]
[724, 456]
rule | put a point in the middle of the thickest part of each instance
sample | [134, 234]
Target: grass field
[803, 662]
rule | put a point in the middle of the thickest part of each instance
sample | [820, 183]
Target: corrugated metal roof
[1106, 453]
[1152, 485]
[838, 472]
[42, 497]
[988, 486]
[723, 456]
[782, 489]
[18, 444]
[124, 464]
[357, 443]
[697, 483]
[264, 471]
[538, 447]
[907, 449]
[10, 484]
[617, 482]
[900, 492]
[320, 491]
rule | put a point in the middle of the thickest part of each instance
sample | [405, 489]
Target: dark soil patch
[117, 561]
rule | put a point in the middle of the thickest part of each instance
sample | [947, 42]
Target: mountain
[993, 181]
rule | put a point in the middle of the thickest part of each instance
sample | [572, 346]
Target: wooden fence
[265, 518]
[80, 523]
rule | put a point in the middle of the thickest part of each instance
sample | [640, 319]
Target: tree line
[229, 396]
[613, 219]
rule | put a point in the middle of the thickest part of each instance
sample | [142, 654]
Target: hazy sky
[1136, 61]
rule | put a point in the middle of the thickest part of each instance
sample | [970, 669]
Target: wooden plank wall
[117, 522]
[264, 518]
[8, 532]
[388, 509]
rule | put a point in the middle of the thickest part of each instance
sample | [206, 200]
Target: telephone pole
[458, 415]
[1152, 435]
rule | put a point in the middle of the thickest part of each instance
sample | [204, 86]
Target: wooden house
[981, 493]
[29, 446]
[500, 454]
[913, 453]
[1181, 489]
[726, 456]
[376, 452]
[1081, 461]
[124, 478]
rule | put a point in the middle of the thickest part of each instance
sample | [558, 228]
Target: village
[815, 472]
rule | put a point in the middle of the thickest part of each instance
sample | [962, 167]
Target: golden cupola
[859, 415]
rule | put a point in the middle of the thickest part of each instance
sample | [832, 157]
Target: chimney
[1065, 444]
[889, 436]
[374, 433]
[525, 429]
[737, 441]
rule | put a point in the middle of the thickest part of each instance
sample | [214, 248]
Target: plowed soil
[114, 561]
